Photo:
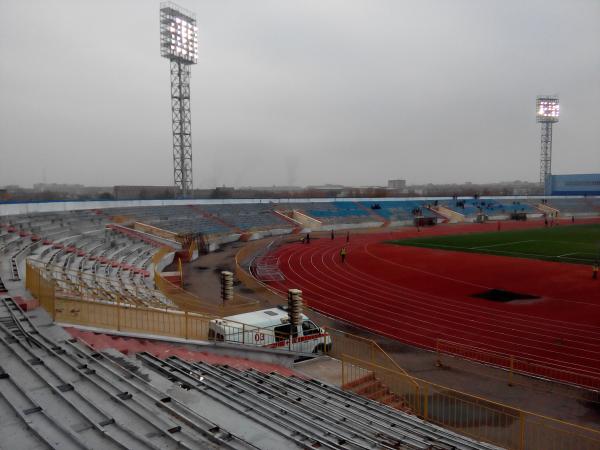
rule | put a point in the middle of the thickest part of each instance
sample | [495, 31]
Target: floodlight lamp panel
[547, 109]
[178, 41]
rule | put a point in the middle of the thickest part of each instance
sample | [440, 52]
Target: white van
[270, 328]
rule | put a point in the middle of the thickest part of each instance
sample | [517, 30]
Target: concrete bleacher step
[451, 215]
[370, 417]
[369, 386]
[359, 381]
[114, 402]
[297, 226]
[257, 412]
[75, 385]
[437, 214]
[215, 218]
[382, 414]
[373, 214]
[547, 209]
[377, 395]
[330, 425]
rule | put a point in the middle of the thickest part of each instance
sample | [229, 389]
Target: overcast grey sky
[299, 92]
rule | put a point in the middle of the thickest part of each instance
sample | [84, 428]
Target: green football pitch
[573, 243]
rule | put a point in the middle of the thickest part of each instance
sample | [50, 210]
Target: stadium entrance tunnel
[500, 295]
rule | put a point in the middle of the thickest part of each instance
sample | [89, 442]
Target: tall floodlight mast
[179, 44]
[547, 112]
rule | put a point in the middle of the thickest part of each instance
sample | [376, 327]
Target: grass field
[567, 243]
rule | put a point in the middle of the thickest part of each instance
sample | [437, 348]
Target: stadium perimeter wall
[60, 206]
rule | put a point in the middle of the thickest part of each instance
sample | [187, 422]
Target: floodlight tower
[547, 112]
[179, 44]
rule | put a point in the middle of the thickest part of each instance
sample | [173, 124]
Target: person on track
[595, 271]
[308, 238]
[343, 254]
[332, 235]
[347, 236]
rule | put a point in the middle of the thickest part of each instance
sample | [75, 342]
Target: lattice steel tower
[179, 44]
[547, 112]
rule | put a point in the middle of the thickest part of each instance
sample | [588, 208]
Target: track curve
[420, 296]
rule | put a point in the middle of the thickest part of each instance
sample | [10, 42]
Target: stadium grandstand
[108, 341]
[62, 392]
[256, 286]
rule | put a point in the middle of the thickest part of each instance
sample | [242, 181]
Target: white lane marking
[501, 244]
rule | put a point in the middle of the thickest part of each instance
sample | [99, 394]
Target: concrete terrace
[78, 388]
[57, 391]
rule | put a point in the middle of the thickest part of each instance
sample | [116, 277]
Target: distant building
[224, 192]
[71, 190]
[58, 187]
[520, 190]
[272, 188]
[326, 187]
[397, 184]
[143, 192]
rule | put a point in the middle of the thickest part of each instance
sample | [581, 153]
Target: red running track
[418, 296]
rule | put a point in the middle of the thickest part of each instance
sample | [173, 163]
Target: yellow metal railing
[127, 317]
[247, 252]
[160, 254]
[343, 343]
[155, 231]
[131, 319]
[508, 375]
[243, 254]
[190, 302]
[517, 365]
[122, 219]
[77, 285]
[111, 314]
[474, 416]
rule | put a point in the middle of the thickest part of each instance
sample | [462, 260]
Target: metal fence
[368, 370]
[245, 257]
[78, 285]
[477, 417]
[517, 364]
[186, 301]
[112, 314]
[241, 258]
